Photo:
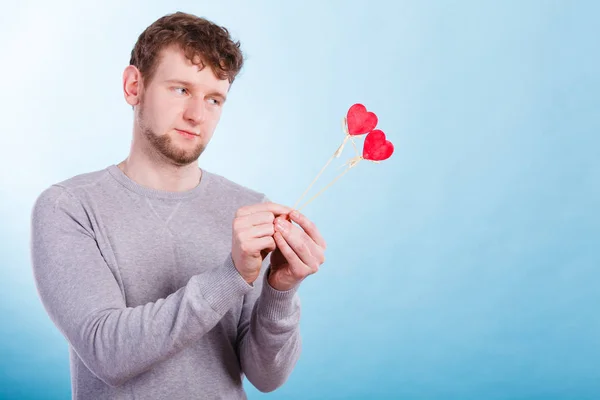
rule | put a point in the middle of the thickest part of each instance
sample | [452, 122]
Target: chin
[184, 157]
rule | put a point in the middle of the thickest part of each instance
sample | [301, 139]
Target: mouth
[187, 134]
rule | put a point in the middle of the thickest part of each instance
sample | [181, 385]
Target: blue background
[464, 267]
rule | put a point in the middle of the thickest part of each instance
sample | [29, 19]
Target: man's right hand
[253, 230]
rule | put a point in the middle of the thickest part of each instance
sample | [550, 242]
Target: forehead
[173, 65]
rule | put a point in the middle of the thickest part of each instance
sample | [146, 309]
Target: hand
[300, 251]
[253, 231]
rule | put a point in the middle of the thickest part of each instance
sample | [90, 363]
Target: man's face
[180, 108]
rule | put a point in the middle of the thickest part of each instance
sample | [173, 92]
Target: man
[169, 281]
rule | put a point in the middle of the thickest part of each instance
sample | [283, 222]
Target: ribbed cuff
[276, 304]
[223, 286]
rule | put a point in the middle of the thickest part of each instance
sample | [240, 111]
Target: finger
[262, 230]
[274, 208]
[258, 231]
[300, 243]
[259, 244]
[285, 249]
[309, 227]
[264, 217]
[269, 244]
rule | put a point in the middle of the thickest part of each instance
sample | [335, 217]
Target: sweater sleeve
[269, 338]
[83, 299]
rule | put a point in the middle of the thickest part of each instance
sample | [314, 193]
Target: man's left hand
[300, 251]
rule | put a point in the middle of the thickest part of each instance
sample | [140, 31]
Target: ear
[132, 85]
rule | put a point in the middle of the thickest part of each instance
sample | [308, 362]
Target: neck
[158, 173]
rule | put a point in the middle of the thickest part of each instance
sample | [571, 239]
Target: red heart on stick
[376, 147]
[359, 120]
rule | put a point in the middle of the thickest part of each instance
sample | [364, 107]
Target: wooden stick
[345, 128]
[351, 164]
[314, 181]
[355, 148]
[337, 153]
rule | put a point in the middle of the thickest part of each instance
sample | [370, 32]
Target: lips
[186, 133]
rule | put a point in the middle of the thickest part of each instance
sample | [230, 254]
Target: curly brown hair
[202, 41]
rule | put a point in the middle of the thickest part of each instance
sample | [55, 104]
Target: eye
[214, 101]
[180, 90]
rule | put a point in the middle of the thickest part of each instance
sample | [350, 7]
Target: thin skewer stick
[351, 164]
[337, 153]
[348, 136]
[345, 127]
[355, 148]
[325, 188]
[314, 180]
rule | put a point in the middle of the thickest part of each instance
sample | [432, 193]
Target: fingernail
[294, 214]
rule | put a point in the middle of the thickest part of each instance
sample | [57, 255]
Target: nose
[195, 111]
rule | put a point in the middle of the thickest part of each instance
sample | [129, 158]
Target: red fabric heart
[359, 120]
[376, 147]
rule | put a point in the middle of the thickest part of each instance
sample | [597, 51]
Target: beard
[164, 145]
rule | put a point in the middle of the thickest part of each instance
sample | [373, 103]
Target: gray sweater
[142, 285]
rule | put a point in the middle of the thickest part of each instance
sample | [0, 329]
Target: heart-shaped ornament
[376, 147]
[359, 120]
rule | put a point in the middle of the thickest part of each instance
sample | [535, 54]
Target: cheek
[166, 116]
[215, 116]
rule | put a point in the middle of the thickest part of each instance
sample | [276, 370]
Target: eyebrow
[213, 93]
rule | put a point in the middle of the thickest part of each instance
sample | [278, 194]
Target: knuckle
[237, 237]
[314, 265]
[244, 247]
[303, 247]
